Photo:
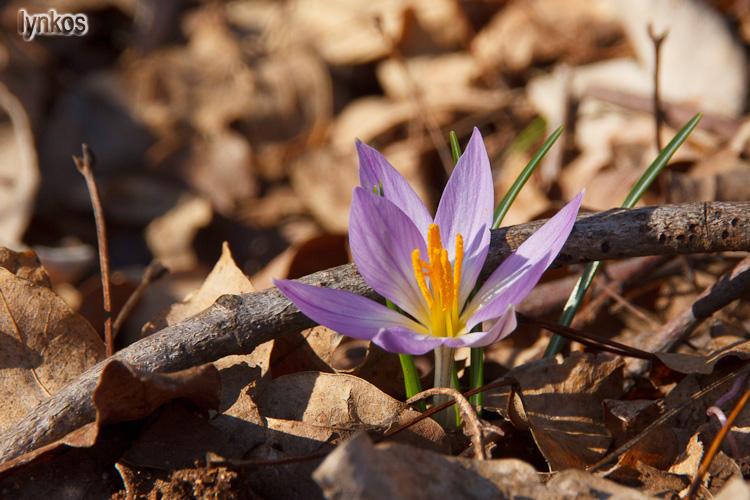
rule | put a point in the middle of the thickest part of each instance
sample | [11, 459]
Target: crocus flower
[429, 267]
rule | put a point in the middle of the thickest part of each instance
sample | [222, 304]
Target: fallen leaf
[19, 170]
[124, 393]
[580, 484]
[359, 470]
[339, 400]
[225, 278]
[25, 265]
[561, 405]
[692, 363]
[44, 345]
[170, 237]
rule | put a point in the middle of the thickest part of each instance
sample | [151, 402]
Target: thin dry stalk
[153, 272]
[469, 414]
[85, 165]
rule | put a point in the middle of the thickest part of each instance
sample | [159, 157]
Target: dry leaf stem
[658, 113]
[237, 324]
[85, 165]
[726, 289]
[153, 272]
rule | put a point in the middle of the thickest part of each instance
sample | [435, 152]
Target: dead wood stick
[237, 324]
[727, 289]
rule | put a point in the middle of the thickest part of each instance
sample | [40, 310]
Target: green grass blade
[579, 291]
[510, 196]
[476, 360]
[455, 147]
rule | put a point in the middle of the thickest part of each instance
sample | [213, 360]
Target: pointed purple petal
[520, 272]
[504, 326]
[374, 169]
[382, 239]
[405, 341]
[466, 208]
[347, 313]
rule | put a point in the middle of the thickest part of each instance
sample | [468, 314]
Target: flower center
[445, 280]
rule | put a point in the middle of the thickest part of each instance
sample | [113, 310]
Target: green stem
[444, 378]
[476, 376]
[412, 384]
[556, 342]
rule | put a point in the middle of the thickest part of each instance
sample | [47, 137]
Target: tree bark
[237, 324]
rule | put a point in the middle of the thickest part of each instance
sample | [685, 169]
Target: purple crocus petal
[375, 170]
[466, 208]
[382, 239]
[347, 313]
[504, 326]
[520, 272]
[406, 341]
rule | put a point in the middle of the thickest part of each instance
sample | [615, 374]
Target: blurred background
[235, 121]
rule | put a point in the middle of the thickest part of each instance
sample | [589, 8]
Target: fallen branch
[237, 324]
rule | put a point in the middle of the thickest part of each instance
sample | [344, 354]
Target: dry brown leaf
[343, 401]
[359, 31]
[44, 345]
[580, 484]
[324, 178]
[366, 119]
[359, 470]
[735, 489]
[383, 370]
[170, 237]
[124, 393]
[291, 438]
[83, 437]
[690, 459]
[25, 265]
[220, 170]
[446, 82]
[324, 181]
[225, 278]
[309, 350]
[626, 419]
[19, 169]
[691, 363]
[539, 31]
[561, 404]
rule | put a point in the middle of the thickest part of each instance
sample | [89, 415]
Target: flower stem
[411, 379]
[444, 378]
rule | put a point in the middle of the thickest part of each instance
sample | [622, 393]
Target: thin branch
[85, 165]
[237, 324]
[473, 425]
[728, 288]
[153, 272]
[658, 114]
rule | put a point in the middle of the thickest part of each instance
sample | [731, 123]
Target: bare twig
[727, 289]
[658, 114]
[474, 427]
[714, 449]
[153, 272]
[237, 324]
[85, 165]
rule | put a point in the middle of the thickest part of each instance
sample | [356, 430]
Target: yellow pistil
[445, 280]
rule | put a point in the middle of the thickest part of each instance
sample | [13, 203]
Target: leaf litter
[235, 123]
